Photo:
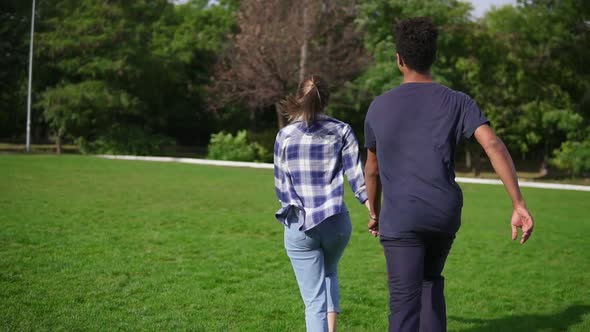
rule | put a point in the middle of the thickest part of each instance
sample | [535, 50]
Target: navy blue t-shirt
[415, 129]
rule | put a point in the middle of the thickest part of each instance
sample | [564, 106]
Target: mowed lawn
[94, 244]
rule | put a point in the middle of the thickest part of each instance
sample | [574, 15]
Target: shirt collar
[320, 116]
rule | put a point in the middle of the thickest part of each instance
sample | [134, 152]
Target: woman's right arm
[351, 163]
[279, 173]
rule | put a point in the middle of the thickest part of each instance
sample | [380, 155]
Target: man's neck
[416, 77]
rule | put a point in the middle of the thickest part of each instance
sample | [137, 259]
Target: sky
[479, 6]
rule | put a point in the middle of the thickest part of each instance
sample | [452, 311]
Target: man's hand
[521, 218]
[504, 167]
[373, 227]
[373, 224]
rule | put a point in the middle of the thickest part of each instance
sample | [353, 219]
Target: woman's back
[312, 160]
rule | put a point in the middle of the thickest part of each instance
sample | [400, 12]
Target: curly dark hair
[415, 40]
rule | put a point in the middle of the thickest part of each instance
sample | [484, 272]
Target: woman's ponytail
[312, 98]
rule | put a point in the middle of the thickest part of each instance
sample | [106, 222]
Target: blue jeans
[314, 255]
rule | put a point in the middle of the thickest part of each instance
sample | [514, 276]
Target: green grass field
[94, 244]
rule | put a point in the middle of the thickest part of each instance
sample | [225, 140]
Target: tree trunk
[544, 165]
[304, 46]
[468, 157]
[252, 119]
[58, 143]
[544, 168]
[477, 163]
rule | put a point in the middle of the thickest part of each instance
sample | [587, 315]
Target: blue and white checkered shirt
[309, 163]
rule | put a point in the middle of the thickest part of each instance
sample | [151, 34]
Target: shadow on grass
[561, 321]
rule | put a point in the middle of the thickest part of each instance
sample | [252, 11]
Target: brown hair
[312, 98]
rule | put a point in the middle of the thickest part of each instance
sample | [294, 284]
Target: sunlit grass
[93, 244]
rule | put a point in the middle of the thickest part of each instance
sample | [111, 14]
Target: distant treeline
[139, 76]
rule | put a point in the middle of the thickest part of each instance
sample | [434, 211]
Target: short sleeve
[471, 116]
[370, 140]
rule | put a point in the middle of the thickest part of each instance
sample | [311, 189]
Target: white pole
[30, 80]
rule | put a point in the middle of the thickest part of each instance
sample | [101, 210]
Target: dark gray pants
[416, 286]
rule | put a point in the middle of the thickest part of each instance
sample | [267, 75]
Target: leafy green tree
[523, 64]
[100, 53]
[140, 65]
[537, 79]
[14, 30]
[377, 19]
[188, 39]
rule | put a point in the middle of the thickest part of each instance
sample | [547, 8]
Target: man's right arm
[373, 185]
[504, 167]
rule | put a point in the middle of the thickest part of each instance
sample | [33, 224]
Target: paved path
[529, 184]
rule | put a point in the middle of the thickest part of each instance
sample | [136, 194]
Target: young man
[411, 134]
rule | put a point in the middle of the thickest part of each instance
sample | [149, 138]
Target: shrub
[225, 146]
[265, 139]
[126, 140]
[574, 157]
[263, 155]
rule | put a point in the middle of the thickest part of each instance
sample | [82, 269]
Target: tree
[14, 30]
[130, 71]
[279, 42]
[536, 81]
[188, 39]
[377, 19]
[100, 53]
[524, 66]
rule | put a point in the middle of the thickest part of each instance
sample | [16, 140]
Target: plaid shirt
[309, 163]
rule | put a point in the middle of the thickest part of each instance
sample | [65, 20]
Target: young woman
[311, 155]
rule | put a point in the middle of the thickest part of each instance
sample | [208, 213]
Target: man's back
[415, 128]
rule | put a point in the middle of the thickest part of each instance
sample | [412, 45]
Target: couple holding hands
[411, 133]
